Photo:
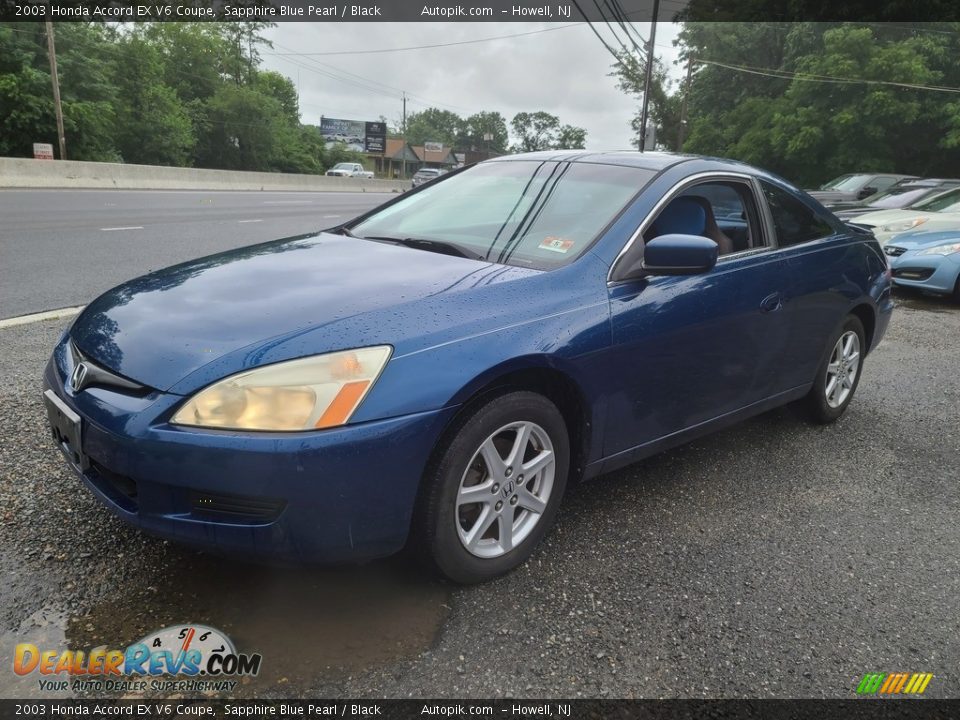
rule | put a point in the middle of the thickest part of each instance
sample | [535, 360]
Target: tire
[956, 290]
[838, 376]
[478, 519]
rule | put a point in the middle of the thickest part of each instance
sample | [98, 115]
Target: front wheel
[495, 490]
[839, 374]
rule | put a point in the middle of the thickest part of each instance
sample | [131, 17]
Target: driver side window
[722, 210]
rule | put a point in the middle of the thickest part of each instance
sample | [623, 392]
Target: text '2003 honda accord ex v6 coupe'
[436, 372]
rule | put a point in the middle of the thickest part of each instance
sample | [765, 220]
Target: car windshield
[898, 197]
[833, 183]
[427, 173]
[945, 202]
[343, 166]
[517, 212]
[850, 182]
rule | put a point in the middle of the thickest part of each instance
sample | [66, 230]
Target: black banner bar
[559, 11]
[160, 709]
[326, 10]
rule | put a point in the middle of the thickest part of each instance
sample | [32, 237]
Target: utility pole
[649, 75]
[404, 135]
[52, 52]
[683, 105]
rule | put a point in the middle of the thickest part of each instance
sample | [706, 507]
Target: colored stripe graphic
[894, 683]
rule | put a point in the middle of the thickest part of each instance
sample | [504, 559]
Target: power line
[788, 75]
[359, 80]
[437, 45]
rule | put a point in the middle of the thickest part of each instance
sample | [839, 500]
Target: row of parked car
[916, 220]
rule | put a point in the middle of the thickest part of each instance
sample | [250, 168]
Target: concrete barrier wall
[30, 173]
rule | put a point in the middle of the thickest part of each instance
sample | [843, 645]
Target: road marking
[288, 202]
[250, 221]
[39, 317]
[131, 227]
[327, 217]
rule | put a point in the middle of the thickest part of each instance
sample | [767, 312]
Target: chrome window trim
[670, 195]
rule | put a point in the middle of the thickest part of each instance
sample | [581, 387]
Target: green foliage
[475, 127]
[434, 125]
[542, 131]
[193, 94]
[810, 130]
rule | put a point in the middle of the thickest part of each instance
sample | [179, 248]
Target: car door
[828, 272]
[690, 349]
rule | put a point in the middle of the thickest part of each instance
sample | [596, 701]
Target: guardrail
[30, 173]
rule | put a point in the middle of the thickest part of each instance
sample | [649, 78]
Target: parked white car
[941, 212]
[349, 169]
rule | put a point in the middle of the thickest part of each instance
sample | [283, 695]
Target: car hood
[885, 217]
[159, 328]
[922, 239]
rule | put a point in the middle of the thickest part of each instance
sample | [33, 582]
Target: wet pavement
[774, 559]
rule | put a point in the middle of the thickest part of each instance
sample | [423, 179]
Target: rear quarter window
[794, 221]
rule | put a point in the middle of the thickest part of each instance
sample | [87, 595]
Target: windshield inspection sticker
[555, 244]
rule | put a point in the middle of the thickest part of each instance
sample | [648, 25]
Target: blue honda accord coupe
[435, 372]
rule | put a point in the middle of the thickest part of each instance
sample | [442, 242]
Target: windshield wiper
[439, 246]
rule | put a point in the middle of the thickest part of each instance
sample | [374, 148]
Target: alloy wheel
[505, 489]
[842, 369]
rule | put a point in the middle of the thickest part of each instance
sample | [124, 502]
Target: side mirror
[865, 192]
[679, 255]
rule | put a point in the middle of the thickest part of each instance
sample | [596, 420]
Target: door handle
[771, 303]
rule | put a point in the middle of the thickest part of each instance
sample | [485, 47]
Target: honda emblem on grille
[79, 377]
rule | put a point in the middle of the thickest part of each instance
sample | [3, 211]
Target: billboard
[357, 135]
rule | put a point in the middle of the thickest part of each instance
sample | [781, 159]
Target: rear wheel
[956, 290]
[839, 375]
[495, 490]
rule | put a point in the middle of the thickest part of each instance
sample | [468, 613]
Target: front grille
[94, 374]
[894, 251]
[239, 509]
[913, 273]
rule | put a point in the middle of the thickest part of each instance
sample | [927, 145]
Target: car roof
[656, 161]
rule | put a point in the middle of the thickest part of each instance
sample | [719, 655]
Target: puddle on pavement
[308, 624]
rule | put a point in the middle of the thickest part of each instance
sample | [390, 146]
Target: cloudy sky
[563, 71]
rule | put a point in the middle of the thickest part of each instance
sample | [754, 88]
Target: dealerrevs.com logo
[898, 683]
[179, 651]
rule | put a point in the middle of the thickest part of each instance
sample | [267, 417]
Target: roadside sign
[433, 146]
[43, 151]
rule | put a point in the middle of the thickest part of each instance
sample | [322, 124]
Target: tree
[663, 108]
[570, 138]
[542, 131]
[475, 127]
[153, 126]
[802, 109]
[534, 130]
[434, 125]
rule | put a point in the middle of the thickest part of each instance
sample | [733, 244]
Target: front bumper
[325, 496]
[932, 273]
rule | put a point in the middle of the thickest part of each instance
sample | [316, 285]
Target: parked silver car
[425, 175]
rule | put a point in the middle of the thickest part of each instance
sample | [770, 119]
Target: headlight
[903, 226]
[941, 249]
[306, 394]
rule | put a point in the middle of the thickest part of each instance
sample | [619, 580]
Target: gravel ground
[775, 559]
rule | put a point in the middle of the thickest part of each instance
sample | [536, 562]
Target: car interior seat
[682, 216]
[712, 230]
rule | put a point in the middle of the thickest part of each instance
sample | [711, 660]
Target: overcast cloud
[563, 71]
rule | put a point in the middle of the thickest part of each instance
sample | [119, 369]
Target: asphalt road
[62, 248]
[775, 559]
